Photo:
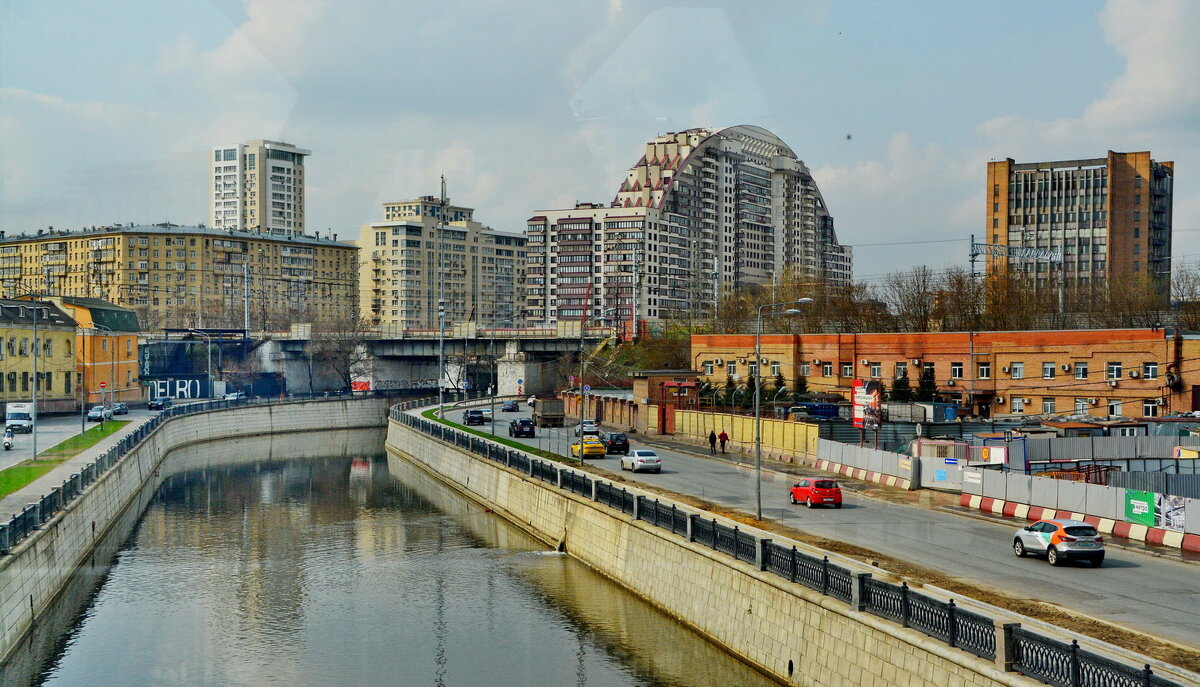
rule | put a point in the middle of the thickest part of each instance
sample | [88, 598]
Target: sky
[108, 111]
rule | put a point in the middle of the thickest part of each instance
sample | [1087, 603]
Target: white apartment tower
[258, 186]
[702, 213]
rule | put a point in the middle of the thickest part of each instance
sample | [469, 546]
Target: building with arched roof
[702, 212]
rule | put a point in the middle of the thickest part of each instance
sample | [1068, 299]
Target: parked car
[591, 446]
[99, 414]
[521, 427]
[1060, 541]
[474, 417]
[235, 396]
[160, 403]
[815, 491]
[120, 408]
[587, 427]
[510, 407]
[487, 413]
[641, 459]
[616, 442]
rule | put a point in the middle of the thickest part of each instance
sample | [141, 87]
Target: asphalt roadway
[53, 429]
[1150, 594]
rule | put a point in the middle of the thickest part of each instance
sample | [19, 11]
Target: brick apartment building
[1130, 372]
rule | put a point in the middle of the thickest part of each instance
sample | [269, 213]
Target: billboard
[867, 397]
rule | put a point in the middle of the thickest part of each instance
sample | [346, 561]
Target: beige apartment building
[183, 276]
[1109, 218]
[481, 272]
[259, 186]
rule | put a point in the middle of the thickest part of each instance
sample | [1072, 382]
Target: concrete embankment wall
[39, 568]
[796, 635]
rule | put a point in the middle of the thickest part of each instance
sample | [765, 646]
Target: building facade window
[1048, 406]
[984, 370]
[847, 369]
[1018, 405]
[1113, 370]
[776, 368]
[901, 370]
[708, 368]
[956, 370]
[731, 369]
[752, 369]
[804, 368]
[1150, 370]
[1048, 370]
[1081, 371]
[1150, 407]
[1115, 406]
[1018, 370]
[876, 370]
[827, 369]
[1081, 406]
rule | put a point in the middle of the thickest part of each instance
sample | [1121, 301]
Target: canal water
[340, 571]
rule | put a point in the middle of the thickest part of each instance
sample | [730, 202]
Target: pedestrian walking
[712, 442]
[722, 437]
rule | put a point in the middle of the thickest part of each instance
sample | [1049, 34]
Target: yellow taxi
[592, 446]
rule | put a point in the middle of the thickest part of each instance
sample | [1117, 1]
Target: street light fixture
[792, 310]
[208, 348]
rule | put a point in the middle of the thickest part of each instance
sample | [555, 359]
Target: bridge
[519, 360]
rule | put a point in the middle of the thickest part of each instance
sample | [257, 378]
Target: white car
[641, 459]
[235, 395]
[588, 427]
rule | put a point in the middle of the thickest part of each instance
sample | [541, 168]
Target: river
[358, 571]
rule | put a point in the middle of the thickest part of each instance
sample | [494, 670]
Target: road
[53, 429]
[1154, 595]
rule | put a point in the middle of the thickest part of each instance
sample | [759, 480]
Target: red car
[817, 492]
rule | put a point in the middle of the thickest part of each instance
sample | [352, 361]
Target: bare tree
[339, 346]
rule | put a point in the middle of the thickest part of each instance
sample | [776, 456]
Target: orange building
[1130, 372]
[106, 350]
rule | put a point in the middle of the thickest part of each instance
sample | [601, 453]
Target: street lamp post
[582, 362]
[112, 359]
[758, 396]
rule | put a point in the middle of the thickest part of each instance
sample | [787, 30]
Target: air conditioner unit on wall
[1134, 374]
[916, 361]
[718, 362]
[741, 361]
[1027, 400]
[950, 383]
[1006, 368]
[864, 361]
[1066, 368]
[1093, 401]
[999, 400]
[1112, 383]
[816, 361]
[1159, 402]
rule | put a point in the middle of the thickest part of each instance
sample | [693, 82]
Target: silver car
[99, 414]
[588, 427]
[1060, 541]
[641, 459]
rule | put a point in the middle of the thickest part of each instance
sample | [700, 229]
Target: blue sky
[107, 110]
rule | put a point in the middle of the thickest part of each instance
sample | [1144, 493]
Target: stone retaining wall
[789, 632]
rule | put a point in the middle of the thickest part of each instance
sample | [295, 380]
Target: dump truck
[548, 412]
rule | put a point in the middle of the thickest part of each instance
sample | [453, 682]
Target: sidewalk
[928, 499]
[30, 493]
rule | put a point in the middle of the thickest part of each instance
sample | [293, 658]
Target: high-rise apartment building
[480, 274]
[1109, 217]
[189, 276]
[702, 213]
[259, 186]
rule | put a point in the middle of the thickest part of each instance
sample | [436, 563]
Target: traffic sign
[103, 385]
[587, 388]
[520, 381]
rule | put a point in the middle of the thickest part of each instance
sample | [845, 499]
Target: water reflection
[340, 571]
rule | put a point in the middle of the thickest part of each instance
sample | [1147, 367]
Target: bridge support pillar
[520, 373]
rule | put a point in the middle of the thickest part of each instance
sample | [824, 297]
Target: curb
[1150, 535]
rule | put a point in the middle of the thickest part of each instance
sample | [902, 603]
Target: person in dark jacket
[723, 437]
[712, 442]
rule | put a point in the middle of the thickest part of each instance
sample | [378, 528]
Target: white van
[19, 417]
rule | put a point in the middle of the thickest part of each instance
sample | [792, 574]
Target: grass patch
[85, 440]
[22, 474]
[431, 414]
[916, 575]
[27, 471]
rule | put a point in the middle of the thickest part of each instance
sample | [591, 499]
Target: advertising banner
[1139, 507]
[867, 397]
[1168, 512]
